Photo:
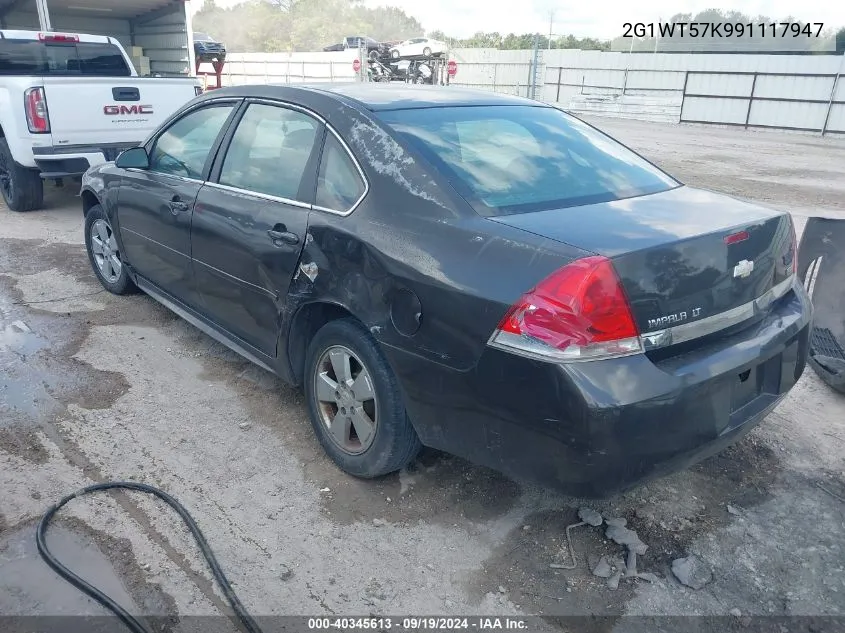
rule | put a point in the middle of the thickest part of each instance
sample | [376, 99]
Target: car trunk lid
[683, 255]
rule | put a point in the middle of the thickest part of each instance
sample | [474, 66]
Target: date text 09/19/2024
[420, 623]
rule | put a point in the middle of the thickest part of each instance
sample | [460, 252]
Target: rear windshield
[31, 57]
[517, 159]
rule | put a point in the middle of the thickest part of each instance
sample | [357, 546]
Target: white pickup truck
[68, 102]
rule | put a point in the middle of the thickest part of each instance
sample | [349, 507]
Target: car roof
[381, 96]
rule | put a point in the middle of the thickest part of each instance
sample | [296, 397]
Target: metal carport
[162, 28]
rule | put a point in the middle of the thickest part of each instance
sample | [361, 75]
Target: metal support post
[43, 15]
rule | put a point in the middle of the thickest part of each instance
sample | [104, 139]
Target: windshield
[517, 159]
[31, 57]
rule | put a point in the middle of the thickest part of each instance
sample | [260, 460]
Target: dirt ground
[97, 387]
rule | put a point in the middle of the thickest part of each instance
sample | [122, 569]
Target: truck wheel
[355, 403]
[23, 189]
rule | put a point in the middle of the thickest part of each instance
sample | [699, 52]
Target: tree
[208, 6]
[301, 25]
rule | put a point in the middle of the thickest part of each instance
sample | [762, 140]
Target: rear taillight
[65, 38]
[579, 312]
[37, 117]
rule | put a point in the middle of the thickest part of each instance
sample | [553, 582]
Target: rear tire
[104, 253]
[386, 440]
[22, 187]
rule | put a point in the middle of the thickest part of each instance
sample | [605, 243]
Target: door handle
[280, 235]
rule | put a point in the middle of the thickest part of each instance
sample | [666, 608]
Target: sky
[462, 18]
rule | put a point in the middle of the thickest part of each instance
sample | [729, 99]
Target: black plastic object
[131, 622]
[821, 267]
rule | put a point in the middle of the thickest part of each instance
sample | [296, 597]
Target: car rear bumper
[600, 427]
[210, 50]
[75, 160]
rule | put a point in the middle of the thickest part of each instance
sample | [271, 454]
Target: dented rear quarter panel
[414, 232]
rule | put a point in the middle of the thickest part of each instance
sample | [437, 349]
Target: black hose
[128, 619]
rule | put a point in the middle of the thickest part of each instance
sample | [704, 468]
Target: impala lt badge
[743, 268]
[671, 319]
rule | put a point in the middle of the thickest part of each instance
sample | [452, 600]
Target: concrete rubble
[624, 536]
[602, 568]
[612, 568]
[590, 517]
[692, 572]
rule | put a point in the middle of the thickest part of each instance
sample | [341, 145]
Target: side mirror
[135, 157]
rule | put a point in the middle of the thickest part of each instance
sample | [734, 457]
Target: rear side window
[183, 148]
[269, 151]
[339, 185]
[30, 57]
[517, 159]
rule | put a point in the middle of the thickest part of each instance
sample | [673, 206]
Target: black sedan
[473, 272]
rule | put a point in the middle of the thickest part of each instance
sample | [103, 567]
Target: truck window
[31, 57]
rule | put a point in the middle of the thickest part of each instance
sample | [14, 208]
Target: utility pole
[551, 25]
[657, 41]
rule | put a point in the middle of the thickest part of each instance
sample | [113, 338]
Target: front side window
[183, 148]
[269, 151]
[339, 185]
[518, 159]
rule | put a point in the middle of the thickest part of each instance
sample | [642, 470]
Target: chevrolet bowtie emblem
[743, 268]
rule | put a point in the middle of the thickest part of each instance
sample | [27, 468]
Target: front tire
[22, 187]
[104, 253]
[355, 403]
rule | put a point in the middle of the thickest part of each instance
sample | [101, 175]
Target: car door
[251, 219]
[416, 47]
[155, 205]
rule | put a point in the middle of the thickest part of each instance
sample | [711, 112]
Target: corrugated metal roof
[122, 9]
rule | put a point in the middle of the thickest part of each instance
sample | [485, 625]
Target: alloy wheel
[346, 399]
[106, 251]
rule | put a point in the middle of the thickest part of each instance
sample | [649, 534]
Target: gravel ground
[97, 387]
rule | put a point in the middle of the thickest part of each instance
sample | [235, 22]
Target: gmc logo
[116, 110]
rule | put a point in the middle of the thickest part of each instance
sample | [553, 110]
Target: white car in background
[418, 46]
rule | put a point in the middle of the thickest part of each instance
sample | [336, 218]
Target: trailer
[416, 69]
